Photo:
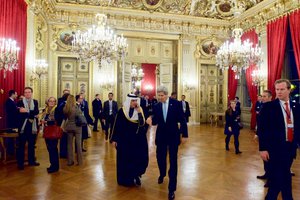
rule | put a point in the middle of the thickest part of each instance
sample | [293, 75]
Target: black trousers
[109, 123]
[161, 156]
[97, 118]
[24, 137]
[236, 140]
[63, 146]
[280, 174]
[267, 168]
[53, 153]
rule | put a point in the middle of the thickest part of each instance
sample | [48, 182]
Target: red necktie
[289, 121]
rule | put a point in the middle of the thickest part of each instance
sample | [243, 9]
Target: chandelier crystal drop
[99, 43]
[9, 53]
[238, 55]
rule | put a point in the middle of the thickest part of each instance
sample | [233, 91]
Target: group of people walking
[125, 128]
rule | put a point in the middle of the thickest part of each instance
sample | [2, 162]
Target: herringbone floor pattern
[206, 172]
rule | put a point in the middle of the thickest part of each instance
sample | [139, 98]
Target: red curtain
[295, 32]
[276, 34]
[13, 25]
[252, 89]
[149, 81]
[232, 85]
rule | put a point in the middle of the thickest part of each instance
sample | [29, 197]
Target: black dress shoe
[262, 177]
[138, 181]
[293, 174]
[34, 164]
[238, 152]
[50, 171]
[267, 184]
[83, 150]
[171, 195]
[160, 180]
[21, 167]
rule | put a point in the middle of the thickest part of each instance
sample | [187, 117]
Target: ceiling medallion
[152, 4]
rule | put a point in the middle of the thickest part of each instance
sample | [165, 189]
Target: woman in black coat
[232, 126]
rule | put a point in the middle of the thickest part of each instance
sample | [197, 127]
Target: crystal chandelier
[237, 55]
[9, 53]
[137, 75]
[99, 43]
[258, 76]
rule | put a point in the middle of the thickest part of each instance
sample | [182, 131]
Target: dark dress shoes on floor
[262, 177]
[138, 181]
[34, 164]
[83, 150]
[50, 171]
[267, 184]
[171, 195]
[21, 167]
[293, 174]
[238, 152]
[160, 180]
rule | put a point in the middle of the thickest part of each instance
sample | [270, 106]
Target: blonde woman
[47, 120]
[71, 110]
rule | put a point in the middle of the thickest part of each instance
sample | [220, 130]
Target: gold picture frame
[152, 4]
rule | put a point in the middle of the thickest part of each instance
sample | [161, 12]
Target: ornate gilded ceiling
[217, 9]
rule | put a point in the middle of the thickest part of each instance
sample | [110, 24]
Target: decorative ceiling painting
[217, 9]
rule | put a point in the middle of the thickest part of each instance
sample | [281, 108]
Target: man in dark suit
[59, 117]
[28, 128]
[146, 105]
[166, 115]
[11, 113]
[185, 108]
[11, 110]
[237, 105]
[279, 134]
[84, 106]
[265, 97]
[97, 112]
[110, 111]
[62, 99]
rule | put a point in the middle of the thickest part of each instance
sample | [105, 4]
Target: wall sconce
[188, 86]
[40, 68]
[106, 82]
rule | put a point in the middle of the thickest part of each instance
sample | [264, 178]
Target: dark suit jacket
[187, 110]
[168, 132]
[106, 108]
[11, 113]
[30, 115]
[146, 108]
[97, 108]
[272, 132]
[85, 109]
[258, 106]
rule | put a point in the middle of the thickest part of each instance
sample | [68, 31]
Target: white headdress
[126, 106]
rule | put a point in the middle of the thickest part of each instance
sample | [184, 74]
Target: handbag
[52, 132]
[80, 119]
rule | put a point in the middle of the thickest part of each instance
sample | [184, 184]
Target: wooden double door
[211, 91]
[74, 76]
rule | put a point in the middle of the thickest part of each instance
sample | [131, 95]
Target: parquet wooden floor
[206, 172]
